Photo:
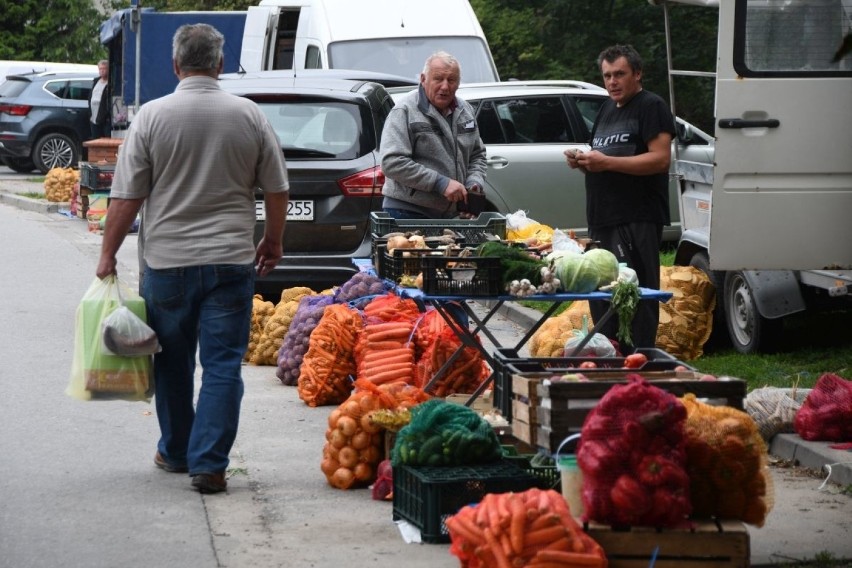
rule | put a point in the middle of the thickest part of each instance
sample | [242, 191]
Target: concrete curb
[28, 203]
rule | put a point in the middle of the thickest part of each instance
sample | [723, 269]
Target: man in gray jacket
[432, 155]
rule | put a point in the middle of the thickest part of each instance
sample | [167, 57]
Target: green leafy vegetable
[625, 300]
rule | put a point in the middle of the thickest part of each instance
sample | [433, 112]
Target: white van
[387, 36]
[19, 67]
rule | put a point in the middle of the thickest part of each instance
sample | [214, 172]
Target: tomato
[635, 360]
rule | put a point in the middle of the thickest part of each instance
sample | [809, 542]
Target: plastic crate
[403, 262]
[96, 176]
[474, 231]
[540, 465]
[658, 360]
[427, 496]
[476, 276]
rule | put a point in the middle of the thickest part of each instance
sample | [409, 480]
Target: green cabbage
[606, 263]
[584, 273]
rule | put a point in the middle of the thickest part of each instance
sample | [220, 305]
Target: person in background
[99, 103]
[191, 161]
[432, 155]
[627, 181]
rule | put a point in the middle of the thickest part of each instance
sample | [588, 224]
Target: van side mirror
[685, 133]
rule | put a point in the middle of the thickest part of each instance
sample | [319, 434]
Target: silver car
[526, 127]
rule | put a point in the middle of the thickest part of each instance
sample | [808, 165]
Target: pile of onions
[354, 445]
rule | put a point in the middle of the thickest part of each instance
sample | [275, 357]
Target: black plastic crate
[541, 465]
[96, 176]
[427, 496]
[512, 362]
[474, 231]
[402, 262]
[471, 276]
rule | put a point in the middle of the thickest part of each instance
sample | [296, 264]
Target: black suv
[329, 127]
[44, 119]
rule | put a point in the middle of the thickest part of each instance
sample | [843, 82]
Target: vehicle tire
[55, 150]
[748, 331]
[719, 336]
[20, 165]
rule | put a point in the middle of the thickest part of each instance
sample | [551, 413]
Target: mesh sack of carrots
[325, 376]
[275, 327]
[727, 463]
[463, 375]
[442, 433]
[633, 459]
[354, 442]
[296, 340]
[826, 413]
[385, 352]
[531, 528]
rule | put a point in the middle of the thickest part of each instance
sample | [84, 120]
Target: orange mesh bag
[464, 374]
[385, 352]
[530, 528]
[354, 444]
[631, 453]
[826, 413]
[727, 462]
[324, 377]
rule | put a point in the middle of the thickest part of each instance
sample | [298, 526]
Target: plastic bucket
[572, 477]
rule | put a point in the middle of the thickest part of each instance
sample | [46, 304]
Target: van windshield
[406, 56]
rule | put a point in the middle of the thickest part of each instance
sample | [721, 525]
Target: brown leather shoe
[210, 482]
[161, 462]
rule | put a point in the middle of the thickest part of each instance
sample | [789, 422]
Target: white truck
[387, 36]
[771, 220]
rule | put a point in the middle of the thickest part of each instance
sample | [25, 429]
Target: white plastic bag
[127, 335]
[562, 242]
[518, 220]
[598, 346]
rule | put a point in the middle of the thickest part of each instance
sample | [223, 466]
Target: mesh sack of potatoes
[549, 340]
[59, 184]
[261, 310]
[276, 326]
[686, 320]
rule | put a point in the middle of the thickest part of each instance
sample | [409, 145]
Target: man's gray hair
[197, 47]
[441, 56]
[613, 52]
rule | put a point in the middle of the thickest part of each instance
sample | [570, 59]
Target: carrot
[545, 536]
[517, 522]
[381, 345]
[568, 558]
[459, 524]
[392, 375]
[503, 509]
[545, 519]
[501, 560]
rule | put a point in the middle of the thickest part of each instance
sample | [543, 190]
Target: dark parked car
[44, 119]
[329, 128]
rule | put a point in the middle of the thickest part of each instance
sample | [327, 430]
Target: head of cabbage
[586, 272]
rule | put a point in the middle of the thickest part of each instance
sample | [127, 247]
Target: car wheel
[719, 336]
[55, 150]
[20, 165]
[749, 332]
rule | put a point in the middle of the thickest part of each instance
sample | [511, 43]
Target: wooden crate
[524, 404]
[563, 406]
[708, 544]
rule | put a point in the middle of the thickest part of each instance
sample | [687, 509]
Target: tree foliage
[50, 30]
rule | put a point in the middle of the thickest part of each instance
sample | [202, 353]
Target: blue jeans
[207, 307]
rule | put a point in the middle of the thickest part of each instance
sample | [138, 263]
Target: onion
[332, 418]
[361, 440]
[363, 473]
[398, 242]
[343, 478]
[351, 408]
[338, 439]
[369, 426]
[347, 456]
[371, 454]
[347, 425]
[329, 466]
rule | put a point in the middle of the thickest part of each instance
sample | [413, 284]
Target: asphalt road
[78, 487]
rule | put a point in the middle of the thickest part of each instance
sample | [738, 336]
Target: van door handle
[497, 162]
[740, 123]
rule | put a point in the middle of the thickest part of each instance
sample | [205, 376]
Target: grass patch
[33, 194]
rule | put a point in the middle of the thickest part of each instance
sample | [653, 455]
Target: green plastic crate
[427, 496]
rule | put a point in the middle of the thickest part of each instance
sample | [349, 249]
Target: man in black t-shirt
[626, 171]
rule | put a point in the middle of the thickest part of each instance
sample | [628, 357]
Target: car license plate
[299, 210]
